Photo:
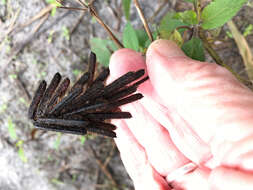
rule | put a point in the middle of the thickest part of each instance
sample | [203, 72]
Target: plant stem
[143, 19]
[100, 21]
[217, 58]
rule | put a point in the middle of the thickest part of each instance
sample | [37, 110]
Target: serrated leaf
[219, 12]
[99, 47]
[12, 130]
[126, 8]
[130, 39]
[194, 49]
[188, 17]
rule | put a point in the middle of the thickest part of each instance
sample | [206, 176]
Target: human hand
[192, 112]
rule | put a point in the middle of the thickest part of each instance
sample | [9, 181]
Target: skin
[191, 112]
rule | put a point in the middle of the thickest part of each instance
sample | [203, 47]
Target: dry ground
[63, 161]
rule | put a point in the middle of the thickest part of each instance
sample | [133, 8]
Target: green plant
[21, 153]
[11, 129]
[54, 3]
[189, 29]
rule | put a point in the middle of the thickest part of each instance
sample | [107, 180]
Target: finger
[155, 139]
[228, 178]
[195, 180]
[135, 160]
[208, 97]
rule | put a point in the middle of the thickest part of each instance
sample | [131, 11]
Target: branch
[143, 19]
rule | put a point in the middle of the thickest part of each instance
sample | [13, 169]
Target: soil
[51, 161]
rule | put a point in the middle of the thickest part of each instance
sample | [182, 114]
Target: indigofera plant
[90, 103]
[87, 105]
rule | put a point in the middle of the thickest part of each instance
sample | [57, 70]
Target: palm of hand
[190, 113]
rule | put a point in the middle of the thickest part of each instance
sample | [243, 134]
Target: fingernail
[165, 48]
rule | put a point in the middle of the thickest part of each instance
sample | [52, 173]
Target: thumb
[208, 98]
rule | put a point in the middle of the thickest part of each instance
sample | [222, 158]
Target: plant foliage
[219, 12]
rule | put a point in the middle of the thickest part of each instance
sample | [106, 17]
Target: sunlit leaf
[176, 37]
[218, 12]
[188, 17]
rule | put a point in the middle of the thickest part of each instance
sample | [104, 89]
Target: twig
[16, 50]
[109, 157]
[41, 14]
[22, 85]
[102, 166]
[11, 26]
[77, 24]
[83, 4]
[42, 21]
[115, 14]
[143, 19]
[100, 21]
[158, 10]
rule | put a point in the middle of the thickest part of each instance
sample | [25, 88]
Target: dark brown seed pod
[88, 105]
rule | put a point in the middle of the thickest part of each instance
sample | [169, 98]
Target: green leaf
[77, 72]
[191, 1]
[11, 129]
[229, 34]
[168, 24]
[130, 39]
[219, 12]
[176, 37]
[56, 181]
[82, 139]
[21, 153]
[53, 12]
[3, 107]
[142, 37]
[55, 4]
[65, 33]
[126, 8]
[167, 17]
[99, 47]
[194, 49]
[188, 17]
[166, 29]
[248, 30]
